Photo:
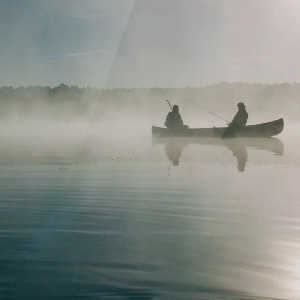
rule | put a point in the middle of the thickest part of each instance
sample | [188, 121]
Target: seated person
[239, 121]
[174, 120]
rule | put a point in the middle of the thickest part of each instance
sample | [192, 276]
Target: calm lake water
[124, 216]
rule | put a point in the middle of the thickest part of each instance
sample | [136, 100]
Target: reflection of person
[240, 152]
[174, 120]
[239, 121]
[174, 150]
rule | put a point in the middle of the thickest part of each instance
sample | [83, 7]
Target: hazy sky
[145, 43]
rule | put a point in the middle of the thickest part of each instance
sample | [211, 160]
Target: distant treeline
[68, 102]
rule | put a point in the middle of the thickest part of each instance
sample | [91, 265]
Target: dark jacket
[173, 120]
[240, 119]
[238, 122]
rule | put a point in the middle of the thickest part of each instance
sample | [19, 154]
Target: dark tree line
[67, 102]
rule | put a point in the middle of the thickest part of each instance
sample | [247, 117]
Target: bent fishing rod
[203, 109]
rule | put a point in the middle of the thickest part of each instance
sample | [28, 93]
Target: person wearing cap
[174, 120]
[239, 121]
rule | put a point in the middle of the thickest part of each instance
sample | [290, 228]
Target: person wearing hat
[174, 120]
[239, 121]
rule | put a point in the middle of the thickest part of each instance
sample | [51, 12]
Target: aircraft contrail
[87, 53]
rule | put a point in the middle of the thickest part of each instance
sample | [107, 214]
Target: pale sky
[148, 43]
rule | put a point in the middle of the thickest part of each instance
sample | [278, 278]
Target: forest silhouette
[68, 102]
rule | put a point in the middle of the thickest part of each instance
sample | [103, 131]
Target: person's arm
[168, 119]
[240, 119]
[234, 120]
[180, 119]
[245, 119]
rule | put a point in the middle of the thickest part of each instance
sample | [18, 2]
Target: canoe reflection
[174, 147]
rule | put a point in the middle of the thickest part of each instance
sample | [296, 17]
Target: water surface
[125, 216]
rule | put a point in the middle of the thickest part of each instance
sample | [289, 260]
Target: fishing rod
[207, 111]
[169, 104]
[203, 109]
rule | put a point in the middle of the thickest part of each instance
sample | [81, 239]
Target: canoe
[258, 130]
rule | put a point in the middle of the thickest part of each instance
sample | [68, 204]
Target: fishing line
[208, 111]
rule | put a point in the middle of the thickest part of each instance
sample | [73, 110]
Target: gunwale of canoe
[267, 129]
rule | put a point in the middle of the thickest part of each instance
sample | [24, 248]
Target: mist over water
[92, 206]
[97, 210]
